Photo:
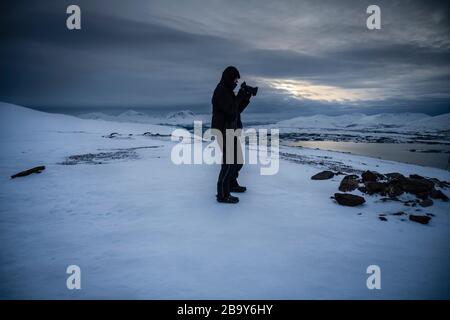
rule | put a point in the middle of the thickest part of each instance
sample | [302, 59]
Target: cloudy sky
[306, 56]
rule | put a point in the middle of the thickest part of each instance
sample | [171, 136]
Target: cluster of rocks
[390, 186]
[393, 185]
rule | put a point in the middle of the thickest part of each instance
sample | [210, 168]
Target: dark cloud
[148, 54]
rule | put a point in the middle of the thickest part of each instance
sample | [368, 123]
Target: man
[227, 108]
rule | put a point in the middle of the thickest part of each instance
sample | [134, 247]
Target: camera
[251, 90]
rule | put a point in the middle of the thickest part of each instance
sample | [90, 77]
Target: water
[436, 155]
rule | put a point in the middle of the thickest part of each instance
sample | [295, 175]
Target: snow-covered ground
[141, 227]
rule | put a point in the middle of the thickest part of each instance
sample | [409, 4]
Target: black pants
[229, 172]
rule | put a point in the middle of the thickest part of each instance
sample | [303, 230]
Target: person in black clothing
[227, 108]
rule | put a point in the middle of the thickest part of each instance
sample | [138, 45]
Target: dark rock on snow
[423, 195]
[362, 189]
[375, 187]
[416, 176]
[394, 175]
[38, 169]
[349, 183]
[426, 203]
[347, 199]
[419, 219]
[369, 176]
[417, 186]
[438, 194]
[324, 175]
[394, 189]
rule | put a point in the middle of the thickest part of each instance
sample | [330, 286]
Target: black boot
[228, 199]
[235, 187]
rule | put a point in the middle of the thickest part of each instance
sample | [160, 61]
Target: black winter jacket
[227, 106]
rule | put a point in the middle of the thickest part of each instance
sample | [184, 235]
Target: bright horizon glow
[307, 90]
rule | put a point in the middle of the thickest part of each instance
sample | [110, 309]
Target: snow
[321, 121]
[185, 114]
[404, 121]
[148, 229]
[440, 122]
[180, 118]
[389, 119]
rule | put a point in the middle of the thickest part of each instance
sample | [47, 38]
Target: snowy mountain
[94, 116]
[321, 121]
[405, 121]
[441, 122]
[127, 116]
[132, 113]
[182, 118]
[181, 115]
[388, 119]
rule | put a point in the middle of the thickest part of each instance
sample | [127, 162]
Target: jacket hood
[229, 74]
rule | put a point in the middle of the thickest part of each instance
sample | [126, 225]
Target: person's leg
[223, 182]
[233, 179]
[238, 164]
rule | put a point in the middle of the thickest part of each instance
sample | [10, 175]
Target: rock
[369, 176]
[394, 189]
[416, 176]
[324, 175]
[375, 187]
[382, 218]
[362, 189]
[394, 176]
[419, 219]
[389, 199]
[349, 183]
[438, 194]
[440, 184]
[347, 199]
[417, 186]
[426, 203]
[38, 169]
[410, 203]
[422, 195]
[394, 185]
[112, 135]
[400, 213]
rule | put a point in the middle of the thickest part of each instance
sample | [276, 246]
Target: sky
[307, 57]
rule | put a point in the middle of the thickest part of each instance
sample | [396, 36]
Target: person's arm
[243, 99]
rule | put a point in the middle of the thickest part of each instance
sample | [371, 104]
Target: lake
[436, 155]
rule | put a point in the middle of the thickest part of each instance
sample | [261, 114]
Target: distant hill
[405, 121]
